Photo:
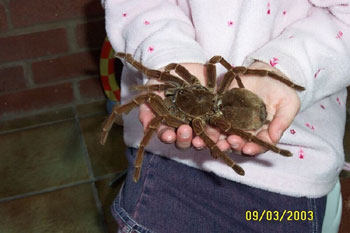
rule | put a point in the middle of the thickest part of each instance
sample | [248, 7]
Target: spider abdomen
[243, 109]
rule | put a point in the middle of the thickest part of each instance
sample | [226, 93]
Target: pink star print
[310, 126]
[292, 131]
[124, 14]
[146, 22]
[322, 106]
[150, 49]
[284, 12]
[318, 71]
[268, 8]
[274, 61]
[301, 153]
[339, 35]
[338, 100]
[230, 23]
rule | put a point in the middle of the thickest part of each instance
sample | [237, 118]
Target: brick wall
[49, 53]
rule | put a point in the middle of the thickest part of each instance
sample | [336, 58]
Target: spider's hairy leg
[227, 128]
[153, 87]
[154, 124]
[162, 116]
[117, 110]
[182, 72]
[259, 72]
[226, 81]
[211, 74]
[227, 65]
[198, 127]
[159, 107]
[173, 121]
[156, 74]
[221, 60]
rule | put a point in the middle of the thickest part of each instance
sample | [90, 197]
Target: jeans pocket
[126, 223]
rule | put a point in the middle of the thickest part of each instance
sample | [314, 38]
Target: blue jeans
[173, 198]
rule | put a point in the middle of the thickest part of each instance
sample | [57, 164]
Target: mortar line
[83, 116]
[28, 75]
[52, 83]
[8, 16]
[76, 90]
[55, 188]
[71, 37]
[31, 60]
[91, 172]
[21, 115]
[36, 126]
[47, 190]
[45, 26]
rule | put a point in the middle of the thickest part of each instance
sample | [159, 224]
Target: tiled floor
[55, 175]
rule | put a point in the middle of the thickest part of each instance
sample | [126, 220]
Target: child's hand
[183, 137]
[282, 103]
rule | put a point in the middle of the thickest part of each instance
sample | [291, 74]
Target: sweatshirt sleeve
[313, 52]
[155, 32]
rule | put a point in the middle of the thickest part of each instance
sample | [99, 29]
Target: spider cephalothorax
[188, 102]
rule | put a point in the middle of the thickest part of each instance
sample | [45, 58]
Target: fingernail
[167, 139]
[248, 151]
[234, 146]
[185, 135]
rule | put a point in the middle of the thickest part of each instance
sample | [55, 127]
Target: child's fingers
[251, 148]
[198, 143]
[223, 145]
[145, 115]
[284, 116]
[236, 142]
[212, 133]
[166, 134]
[285, 113]
[184, 136]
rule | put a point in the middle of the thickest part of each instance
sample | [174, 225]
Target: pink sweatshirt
[309, 41]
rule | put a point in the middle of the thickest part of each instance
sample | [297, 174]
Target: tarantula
[188, 102]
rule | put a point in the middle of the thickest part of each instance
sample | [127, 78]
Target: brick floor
[52, 170]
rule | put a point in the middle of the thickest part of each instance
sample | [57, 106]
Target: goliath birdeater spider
[186, 101]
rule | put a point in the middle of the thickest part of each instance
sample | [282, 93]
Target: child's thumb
[282, 120]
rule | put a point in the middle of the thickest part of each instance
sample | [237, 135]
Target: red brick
[66, 67]
[37, 98]
[12, 78]
[91, 35]
[91, 88]
[24, 12]
[33, 45]
[3, 19]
